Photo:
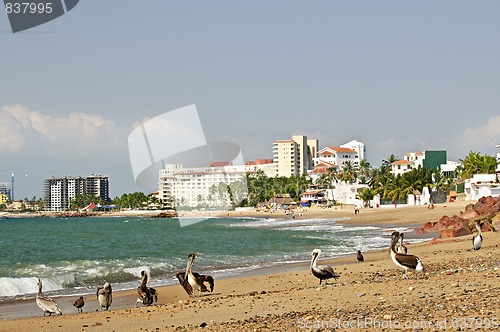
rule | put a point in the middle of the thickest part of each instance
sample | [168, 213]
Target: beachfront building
[207, 187]
[481, 185]
[58, 192]
[294, 157]
[343, 194]
[336, 156]
[426, 159]
[356, 146]
[3, 198]
[5, 188]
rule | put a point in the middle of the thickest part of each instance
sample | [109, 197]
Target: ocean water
[74, 255]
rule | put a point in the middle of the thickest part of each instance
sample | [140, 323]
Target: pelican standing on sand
[404, 261]
[401, 248]
[79, 303]
[147, 295]
[46, 303]
[477, 241]
[322, 272]
[360, 257]
[104, 295]
[192, 281]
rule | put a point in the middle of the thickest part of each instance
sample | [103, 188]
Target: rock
[470, 214]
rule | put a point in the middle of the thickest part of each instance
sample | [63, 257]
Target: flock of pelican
[189, 280]
[192, 281]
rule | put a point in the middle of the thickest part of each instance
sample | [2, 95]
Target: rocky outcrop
[485, 210]
[166, 214]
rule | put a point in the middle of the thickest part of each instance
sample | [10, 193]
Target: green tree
[475, 163]
[366, 195]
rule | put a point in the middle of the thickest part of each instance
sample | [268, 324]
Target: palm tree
[475, 163]
[366, 195]
[365, 172]
[349, 171]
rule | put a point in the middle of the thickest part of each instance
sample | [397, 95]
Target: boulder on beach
[486, 210]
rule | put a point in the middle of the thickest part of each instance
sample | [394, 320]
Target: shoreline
[173, 297]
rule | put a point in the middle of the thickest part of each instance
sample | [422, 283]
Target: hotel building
[58, 192]
[5, 188]
[186, 188]
[295, 156]
[425, 159]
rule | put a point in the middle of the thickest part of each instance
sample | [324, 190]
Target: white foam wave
[19, 286]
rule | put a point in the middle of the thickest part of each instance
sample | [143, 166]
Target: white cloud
[82, 133]
[481, 137]
[11, 135]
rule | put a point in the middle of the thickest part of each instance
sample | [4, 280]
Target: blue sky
[398, 76]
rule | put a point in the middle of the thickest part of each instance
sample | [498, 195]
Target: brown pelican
[192, 281]
[322, 272]
[401, 248]
[104, 296]
[79, 303]
[147, 295]
[360, 257]
[477, 241]
[46, 303]
[404, 261]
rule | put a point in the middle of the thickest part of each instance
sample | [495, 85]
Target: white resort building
[197, 187]
[425, 159]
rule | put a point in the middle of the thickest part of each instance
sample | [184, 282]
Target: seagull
[477, 241]
[192, 281]
[104, 296]
[47, 305]
[404, 261]
[147, 295]
[401, 248]
[360, 257]
[79, 303]
[322, 272]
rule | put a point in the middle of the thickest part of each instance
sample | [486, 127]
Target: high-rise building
[58, 192]
[5, 188]
[295, 156]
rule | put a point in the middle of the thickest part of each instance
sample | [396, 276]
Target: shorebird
[104, 295]
[47, 305]
[401, 248]
[404, 261]
[360, 257]
[147, 295]
[322, 272]
[192, 281]
[477, 241]
[79, 303]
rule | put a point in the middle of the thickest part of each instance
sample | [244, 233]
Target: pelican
[404, 261]
[322, 272]
[401, 248]
[477, 241]
[104, 296]
[192, 281]
[46, 303]
[360, 257]
[79, 303]
[147, 295]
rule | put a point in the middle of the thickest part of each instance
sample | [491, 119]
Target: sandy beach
[458, 290]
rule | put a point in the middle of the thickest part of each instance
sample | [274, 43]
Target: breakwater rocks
[485, 210]
[166, 214]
